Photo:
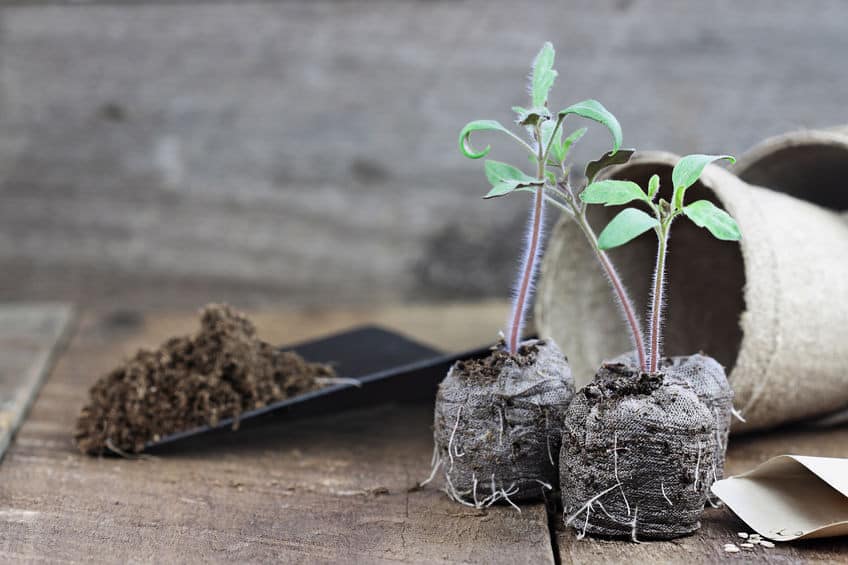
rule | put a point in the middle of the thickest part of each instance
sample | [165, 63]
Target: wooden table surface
[329, 489]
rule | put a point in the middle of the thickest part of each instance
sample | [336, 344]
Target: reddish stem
[528, 270]
[627, 306]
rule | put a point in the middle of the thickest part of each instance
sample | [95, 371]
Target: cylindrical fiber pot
[809, 164]
[770, 308]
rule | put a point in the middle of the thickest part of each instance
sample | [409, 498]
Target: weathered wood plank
[288, 146]
[30, 337]
[720, 525]
[314, 491]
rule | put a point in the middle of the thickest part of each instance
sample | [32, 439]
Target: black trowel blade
[388, 366]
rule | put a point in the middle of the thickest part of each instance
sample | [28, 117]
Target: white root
[633, 526]
[434, 467]
[588, 504]
[548, 440]
[615, 470]
[453, 433]
[665, 496]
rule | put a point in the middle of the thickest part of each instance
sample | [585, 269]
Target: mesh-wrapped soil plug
[220, 372]
[707, 378]
[498, 422]
[637, 455]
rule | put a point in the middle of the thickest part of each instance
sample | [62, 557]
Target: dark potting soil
[638, 455]
[487, 369]
[221, 371]
[497, 423]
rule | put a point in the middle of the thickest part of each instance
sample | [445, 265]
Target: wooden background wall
[304, 151]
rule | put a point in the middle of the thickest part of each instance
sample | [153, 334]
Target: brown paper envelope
[791, 497]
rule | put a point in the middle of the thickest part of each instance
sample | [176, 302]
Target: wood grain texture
[324, 490]
[31, 335]
[313, 491]
[305, 151]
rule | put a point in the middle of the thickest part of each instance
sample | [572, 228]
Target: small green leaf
[569, 141]
[653, 186]
[551, 177]
[500, 189]
[628, 224]
[706, 215]
[478, 125]
[612, 193]
[607, 160]
[519, 110]
[594, 110]
[688, 170]
[543, 75]
[505, 178]
[497, 172]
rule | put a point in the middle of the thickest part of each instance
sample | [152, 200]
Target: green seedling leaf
[505, 178]
[544, 75]
[607, 160]
[478, 125]
[653, 186]
[688, 170]
[594, 110]
[569, 141]
[628, 224]
[613, 193]
[551, 177]
[519, 110]
[554, 140]
[719, 223]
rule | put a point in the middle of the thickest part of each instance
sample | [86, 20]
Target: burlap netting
[706, 378]
[638, 455]
[505, 433]
[771, 308]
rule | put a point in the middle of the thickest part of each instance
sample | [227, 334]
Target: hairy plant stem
[657, 299]
[618, 288]
[531, 255]
[578, 214]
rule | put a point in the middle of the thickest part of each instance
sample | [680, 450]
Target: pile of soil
[638, 455]
[220, 372]
[497, 425]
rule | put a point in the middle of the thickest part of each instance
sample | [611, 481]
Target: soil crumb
[220, 372]
[487, 369]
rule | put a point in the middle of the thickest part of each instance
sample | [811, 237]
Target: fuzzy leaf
[478, 125]
[612, 193]
[688, 170]
[594, 110]
[497, 172]
[706, 215]
[607, 160]
[628, 224]
[519, 110]
[543, 75]
[506, 178]
[653, 186]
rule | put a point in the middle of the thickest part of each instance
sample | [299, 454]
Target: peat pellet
[637, 456]
[498, 421]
